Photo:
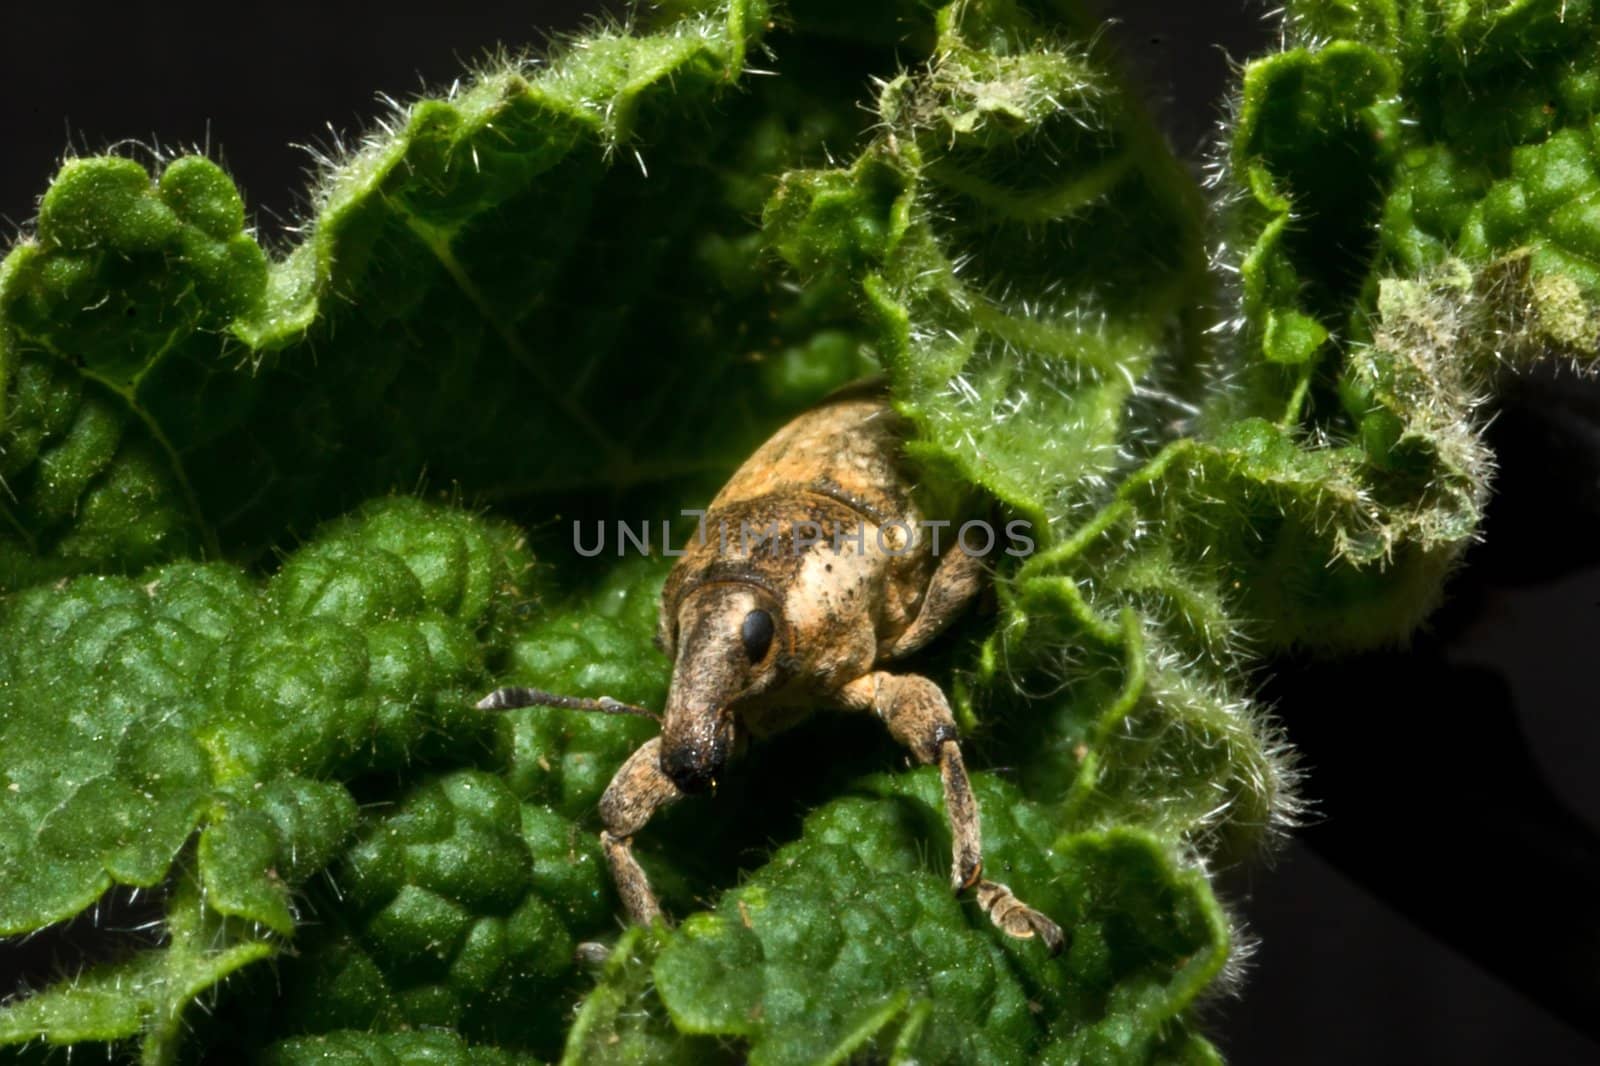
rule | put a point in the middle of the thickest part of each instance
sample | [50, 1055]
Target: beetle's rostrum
[759, 639]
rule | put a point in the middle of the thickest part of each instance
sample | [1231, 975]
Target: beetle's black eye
[756, 634]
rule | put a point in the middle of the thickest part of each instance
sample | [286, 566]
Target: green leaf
[459, 902]
[987, 228]
[356, 1048]
[585, 289]
[146, 995]
[463, 900]
[1400, 245]
[598, 641]
[621, 1019]
[1034, 261]
[440, 305]
[850, 943]
[192, 699]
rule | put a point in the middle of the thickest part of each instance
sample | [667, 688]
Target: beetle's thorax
[807, 519]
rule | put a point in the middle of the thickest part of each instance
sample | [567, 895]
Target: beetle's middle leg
[918, 716]
[637, 791]
[955, 582]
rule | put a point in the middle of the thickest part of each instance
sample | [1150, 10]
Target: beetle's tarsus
[1016, 918]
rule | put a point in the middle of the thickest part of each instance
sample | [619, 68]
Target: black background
[1453, 782]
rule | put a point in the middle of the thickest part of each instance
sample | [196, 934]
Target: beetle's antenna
[507, 699]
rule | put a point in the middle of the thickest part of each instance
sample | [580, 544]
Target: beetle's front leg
[635, 793]
[918, 716]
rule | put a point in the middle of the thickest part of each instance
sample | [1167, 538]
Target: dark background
[1444, 906]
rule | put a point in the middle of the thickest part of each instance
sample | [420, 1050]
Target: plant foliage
[240, 647]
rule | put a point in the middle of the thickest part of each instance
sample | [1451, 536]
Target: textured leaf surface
[1412, 183]
[583, 289]
[355, 1048]
[437, 318]
[191, 698]
[146, 995]
[458, 902]
[850, 940]
[438, 913]
[1038, 265]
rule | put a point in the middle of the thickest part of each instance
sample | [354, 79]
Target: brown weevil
[839, 581]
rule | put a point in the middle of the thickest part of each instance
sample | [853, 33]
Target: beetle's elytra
[762, 632]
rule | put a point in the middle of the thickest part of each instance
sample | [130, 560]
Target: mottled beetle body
[826, 484]
[812, 570]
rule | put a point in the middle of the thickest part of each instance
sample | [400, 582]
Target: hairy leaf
[437, 318]
[192, 699]
[582, 289]
[1400, 242]
[850, 941]
[356, 1048]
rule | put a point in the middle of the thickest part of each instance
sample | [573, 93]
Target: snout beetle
[808, 617]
